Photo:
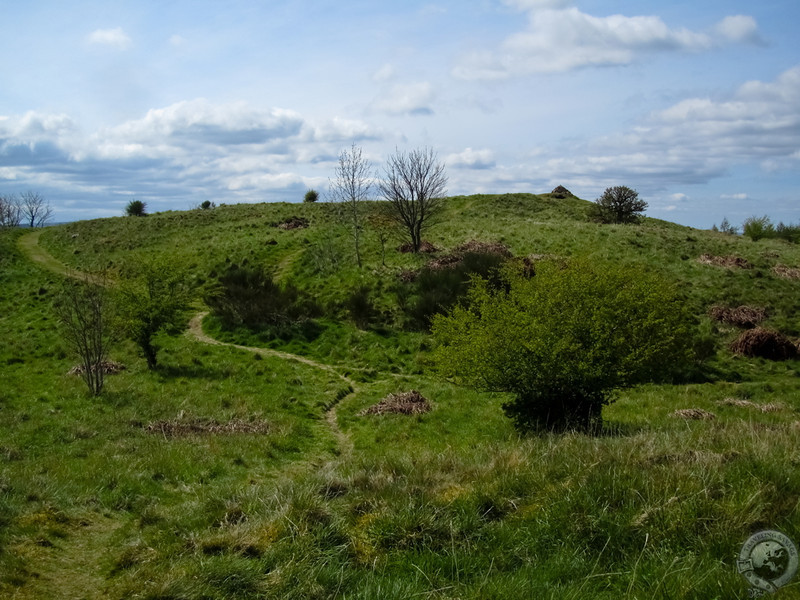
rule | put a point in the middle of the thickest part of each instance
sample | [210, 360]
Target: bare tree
[35, 209]
[352, 187]
[83, 311]
[10, 213]
[414, 185]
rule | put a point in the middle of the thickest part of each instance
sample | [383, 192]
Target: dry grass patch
[764, 408]
[736, 262]
[403, 403]
[741, 316]
[183, 427]
[787, 272]
[693, 414]
[293, 223]
[109, 368]
[764, 343]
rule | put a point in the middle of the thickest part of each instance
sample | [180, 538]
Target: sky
[693, 103]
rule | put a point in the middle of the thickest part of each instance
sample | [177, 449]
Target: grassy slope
[452, 504]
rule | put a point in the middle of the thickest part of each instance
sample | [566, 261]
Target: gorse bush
[563, 340]
[436, 290]
[249, 296]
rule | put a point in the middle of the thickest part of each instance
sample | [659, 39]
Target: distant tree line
[758, 228]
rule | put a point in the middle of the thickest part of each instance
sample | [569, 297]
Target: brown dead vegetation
[109, 368]
[764, 343]
[182, 427]
[293, 223]
[403, 403]
[787, 272]
[731, 262]
[741, 316]
[693, 414]
[561, 192]
[764, 408]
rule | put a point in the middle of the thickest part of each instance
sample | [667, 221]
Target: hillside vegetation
[246, 464]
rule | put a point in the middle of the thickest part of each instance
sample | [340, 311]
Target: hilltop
[250, 464]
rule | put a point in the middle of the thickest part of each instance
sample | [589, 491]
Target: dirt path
[29, 245]
[342, 439]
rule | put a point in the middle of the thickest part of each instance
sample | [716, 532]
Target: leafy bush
[207, 204]
[757, 228]
[311, 196]
[360, 307]
[151, 299]
[136, 208]
[563, 340]
[249, 296]
[619, 204]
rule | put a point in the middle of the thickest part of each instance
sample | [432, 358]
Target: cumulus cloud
[561, 38]
[406, 99]
[697, 139]
[114, 38]
[471, 159]
[233, 151]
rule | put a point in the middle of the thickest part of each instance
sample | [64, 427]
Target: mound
[725, 261]
[404, 403]
[561, 192]
[293, 223]
[764, 343]
[693, 414]
[109, 368]
[181, 427]
[741, 316]
[478, 247]
[787, 272]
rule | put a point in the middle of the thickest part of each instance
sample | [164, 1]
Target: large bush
[563, 340]
[246, 295]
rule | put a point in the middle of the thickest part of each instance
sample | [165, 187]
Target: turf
[279, 484]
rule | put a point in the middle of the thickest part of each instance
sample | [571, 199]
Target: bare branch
[414, 185]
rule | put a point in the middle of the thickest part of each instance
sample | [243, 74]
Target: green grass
[453, 503]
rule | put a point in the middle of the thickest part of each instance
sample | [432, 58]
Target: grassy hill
[247, 469]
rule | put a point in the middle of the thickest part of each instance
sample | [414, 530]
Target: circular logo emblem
[768, 560]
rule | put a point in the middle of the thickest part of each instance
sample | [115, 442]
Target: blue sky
[694, 104]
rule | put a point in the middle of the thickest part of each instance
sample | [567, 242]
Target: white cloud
[115, 38]
[740, 196]
[471, 159]
[696, 140]
[406, 99]
[561, 39]
[739, 28]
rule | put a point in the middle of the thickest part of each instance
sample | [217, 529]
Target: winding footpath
[30, 247]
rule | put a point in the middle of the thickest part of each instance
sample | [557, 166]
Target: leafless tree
[352, 186]
[83, 311]
[414, 185]
[10, 213]
[35, 209]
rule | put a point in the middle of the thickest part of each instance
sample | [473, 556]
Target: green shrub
[563, 340]
[249, 296]
[790, 233]
[311, 196]
[437, 289]
[757, 228]
[136, 208]
[360, 307]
